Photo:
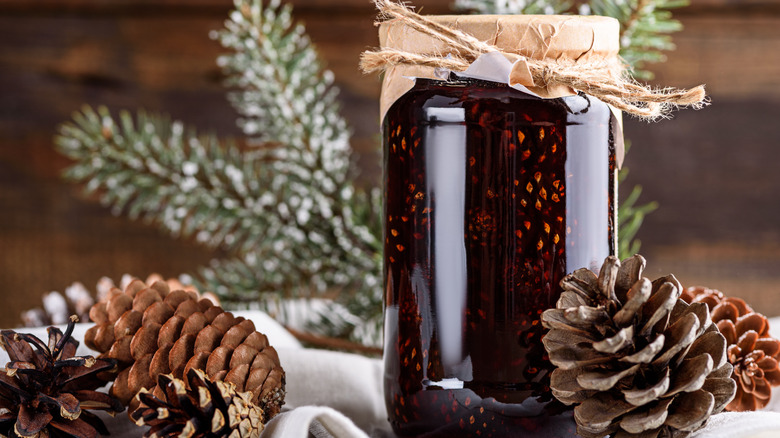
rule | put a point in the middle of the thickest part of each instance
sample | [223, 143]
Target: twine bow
[606, 79]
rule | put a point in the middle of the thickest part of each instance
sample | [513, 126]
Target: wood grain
[712, 171]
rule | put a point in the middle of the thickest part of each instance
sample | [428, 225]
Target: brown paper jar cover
[492, 196]
[575, 38]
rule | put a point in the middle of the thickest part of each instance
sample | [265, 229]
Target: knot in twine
[606, 79]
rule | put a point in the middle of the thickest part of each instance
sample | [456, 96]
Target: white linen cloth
[339, 395]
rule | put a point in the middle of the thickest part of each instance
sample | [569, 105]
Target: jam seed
[529, 188]
[520, 136]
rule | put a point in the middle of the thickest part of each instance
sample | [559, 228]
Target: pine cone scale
[613, 344]
[679, 335]
[78, 429]
[658, 306]
[646, 354]
[602, 381]
[30, 422]
[651, 419]
[712, 345]
[599, 412]
[692, 410]
[691, 374]
[641, 397]
[565, 387]
[637, 296]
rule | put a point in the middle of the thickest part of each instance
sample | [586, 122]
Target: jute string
[606, 79]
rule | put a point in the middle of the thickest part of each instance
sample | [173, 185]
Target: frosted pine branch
[194, 186]
[286, 97]
[155, 169]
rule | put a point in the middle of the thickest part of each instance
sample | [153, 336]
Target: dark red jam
[491, 197]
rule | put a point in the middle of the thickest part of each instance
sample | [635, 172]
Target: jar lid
[572, 37]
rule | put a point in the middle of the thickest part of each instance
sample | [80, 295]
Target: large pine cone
[751, 350]
[150, 331]
[199, 408]
[633, 357]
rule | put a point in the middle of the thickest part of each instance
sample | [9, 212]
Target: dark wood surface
[714, 172]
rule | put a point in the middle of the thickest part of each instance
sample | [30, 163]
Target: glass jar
[492, 196]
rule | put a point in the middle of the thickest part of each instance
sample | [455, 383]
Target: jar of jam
[492, 195]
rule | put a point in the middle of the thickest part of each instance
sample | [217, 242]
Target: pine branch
[193, 186]
[631, 218]
[157, 170]
[287, 212]
[285, 96]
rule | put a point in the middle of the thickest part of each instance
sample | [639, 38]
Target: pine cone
[45, 390]
[201, 408]
[633, 357]
[751, 350]
[150, 331]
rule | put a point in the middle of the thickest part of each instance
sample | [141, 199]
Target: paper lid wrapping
[555, 37]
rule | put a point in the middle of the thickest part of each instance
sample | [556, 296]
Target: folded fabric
[339, 395]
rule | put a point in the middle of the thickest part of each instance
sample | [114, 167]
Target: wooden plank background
[714, 172]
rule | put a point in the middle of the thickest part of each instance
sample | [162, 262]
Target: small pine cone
[635, 358]
[751, 350]
[199, 408]
[150, 330]
[46, 390]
